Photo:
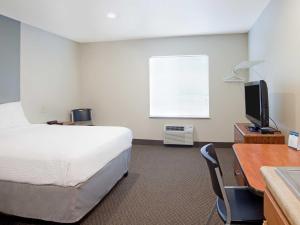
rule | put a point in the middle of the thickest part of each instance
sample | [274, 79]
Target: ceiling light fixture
[111, 15]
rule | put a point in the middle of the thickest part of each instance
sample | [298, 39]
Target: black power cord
[274, 124]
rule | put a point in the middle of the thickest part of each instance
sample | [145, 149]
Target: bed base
[62, 204]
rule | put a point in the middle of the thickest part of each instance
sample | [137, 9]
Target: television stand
[242, 134]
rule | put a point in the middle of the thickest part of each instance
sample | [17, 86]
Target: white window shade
[179, 86]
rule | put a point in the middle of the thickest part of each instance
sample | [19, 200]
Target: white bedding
[58, 155]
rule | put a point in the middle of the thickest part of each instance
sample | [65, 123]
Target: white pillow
[12, 115]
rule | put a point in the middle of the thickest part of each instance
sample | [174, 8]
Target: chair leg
[211, 213]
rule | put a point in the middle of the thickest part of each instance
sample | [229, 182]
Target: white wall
[115, 83]
[49, 75]
[275, 38]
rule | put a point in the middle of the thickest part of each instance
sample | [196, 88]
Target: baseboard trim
[196, 144]
[147, 142]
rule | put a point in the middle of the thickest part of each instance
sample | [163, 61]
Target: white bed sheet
[58, 155]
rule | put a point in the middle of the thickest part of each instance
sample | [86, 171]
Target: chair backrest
[209, 154]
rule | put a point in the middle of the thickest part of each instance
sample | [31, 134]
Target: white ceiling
[86, 21]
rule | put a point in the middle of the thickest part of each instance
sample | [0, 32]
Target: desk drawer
[272, 211]
[238, 173]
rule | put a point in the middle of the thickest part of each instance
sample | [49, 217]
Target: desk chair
[236, 204]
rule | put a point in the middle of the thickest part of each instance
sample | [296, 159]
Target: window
[179, 86]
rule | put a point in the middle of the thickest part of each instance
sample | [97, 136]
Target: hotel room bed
[59, 173]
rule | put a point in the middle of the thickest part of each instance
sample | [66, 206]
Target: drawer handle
[237, 172]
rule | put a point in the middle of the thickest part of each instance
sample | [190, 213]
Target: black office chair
[235, 204]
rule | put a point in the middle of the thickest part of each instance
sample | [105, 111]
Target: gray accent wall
[9, 60]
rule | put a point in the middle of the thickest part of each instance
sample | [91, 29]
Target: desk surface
[253, 156]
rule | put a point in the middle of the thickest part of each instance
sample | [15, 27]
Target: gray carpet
[165, 186]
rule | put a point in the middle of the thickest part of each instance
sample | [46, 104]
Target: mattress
[58, 155]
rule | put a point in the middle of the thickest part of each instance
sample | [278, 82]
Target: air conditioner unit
[178, 135]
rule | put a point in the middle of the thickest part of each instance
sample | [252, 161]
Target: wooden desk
[251, 157]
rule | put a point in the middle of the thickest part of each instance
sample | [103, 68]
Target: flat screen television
[257, 104]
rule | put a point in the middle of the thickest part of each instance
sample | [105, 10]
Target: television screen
[257, 103]
[252, 99]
